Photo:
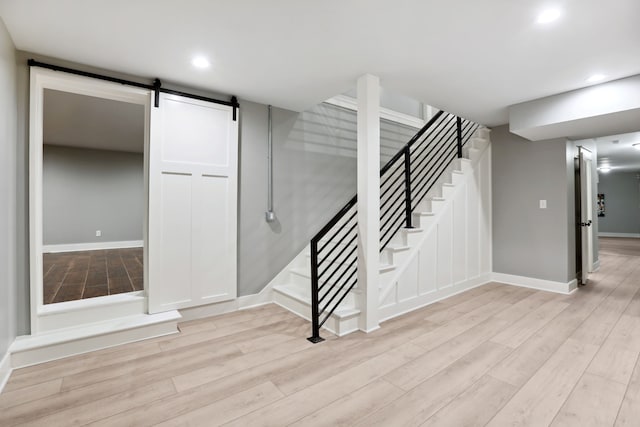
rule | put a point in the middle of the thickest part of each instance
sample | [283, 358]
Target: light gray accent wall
[87, 190]
[8, 150]
[529, 241]
[622, 202]
[314, 175]
[314, 164]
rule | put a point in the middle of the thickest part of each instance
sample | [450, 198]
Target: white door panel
[586, 213]
[193, 204]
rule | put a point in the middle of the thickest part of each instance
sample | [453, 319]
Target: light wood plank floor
[496, 356]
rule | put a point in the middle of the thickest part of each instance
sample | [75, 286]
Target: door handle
[586, 224]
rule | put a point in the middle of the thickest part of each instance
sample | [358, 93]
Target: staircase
[418, 185]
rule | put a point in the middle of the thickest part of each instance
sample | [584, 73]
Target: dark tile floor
[70, 276]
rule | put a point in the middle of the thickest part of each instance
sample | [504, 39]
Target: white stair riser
[447, 191]
[421, 221]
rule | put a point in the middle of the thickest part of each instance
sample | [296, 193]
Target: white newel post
[368, 199]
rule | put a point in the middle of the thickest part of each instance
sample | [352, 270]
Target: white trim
[88, 311]
[628, 235]
[596, 266]
[76, 247]
[350, 103]
[34, 349]
[5, 370]
[407, 306]
[533, 283]
[265, 296]
[41, 79]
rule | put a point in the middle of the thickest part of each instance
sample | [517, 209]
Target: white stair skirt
[448, 251]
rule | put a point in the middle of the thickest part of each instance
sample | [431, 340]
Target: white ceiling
[473, 58]
[84, 121]
[620, 156]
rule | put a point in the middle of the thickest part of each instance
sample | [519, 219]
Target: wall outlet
[543, 204]
[98, 233]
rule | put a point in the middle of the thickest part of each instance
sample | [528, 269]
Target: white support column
[369, 200]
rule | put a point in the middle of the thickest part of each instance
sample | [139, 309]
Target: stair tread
[413, 230]
[397, 247]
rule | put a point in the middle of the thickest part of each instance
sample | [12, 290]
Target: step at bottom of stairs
[33, 349]
[341, 322]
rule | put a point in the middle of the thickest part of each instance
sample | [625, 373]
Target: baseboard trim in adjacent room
[5, 370]
[596, 266]
[75, 247]
[627, 235]
[539, 284]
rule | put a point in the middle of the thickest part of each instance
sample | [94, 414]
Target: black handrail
[437, 144]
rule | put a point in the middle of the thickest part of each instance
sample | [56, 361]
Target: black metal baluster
[407, 186]
[459, 125]
[315, 316]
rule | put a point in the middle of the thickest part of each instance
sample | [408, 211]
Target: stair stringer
[450, 251]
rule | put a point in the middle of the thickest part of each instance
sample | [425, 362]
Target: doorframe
[55, 316]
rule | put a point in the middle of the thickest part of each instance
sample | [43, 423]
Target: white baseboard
[75, 247]
[5, 370]
[627, 235]
[596, 266]
[403, 307]
[539, 284]
[241, 303]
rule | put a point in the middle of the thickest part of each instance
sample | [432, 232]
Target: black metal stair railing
[405, 180]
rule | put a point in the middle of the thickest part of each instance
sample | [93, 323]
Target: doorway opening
[93, 196]
[88, 195]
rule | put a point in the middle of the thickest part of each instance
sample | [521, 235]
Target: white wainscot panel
[473, 228]
[459, 233]
[443, 270]
[428, 263]
[408, 283]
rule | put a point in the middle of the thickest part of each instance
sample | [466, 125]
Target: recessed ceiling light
[636, 145]
[596, 78]
[548, 15]
[200, 62]
[604, 169]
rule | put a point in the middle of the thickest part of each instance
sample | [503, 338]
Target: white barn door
[192, 203]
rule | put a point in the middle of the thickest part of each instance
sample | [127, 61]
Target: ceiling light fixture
[596, 78]
[636, 145]
[548, 16]
[200, 62]
[604, 169]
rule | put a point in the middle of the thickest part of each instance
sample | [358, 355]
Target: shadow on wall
[314, 175]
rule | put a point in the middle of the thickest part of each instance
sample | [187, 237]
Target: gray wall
[529, 241]
[314, 175]
[314, 164]
[8, 139]
[87, 190]
[622, 202]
